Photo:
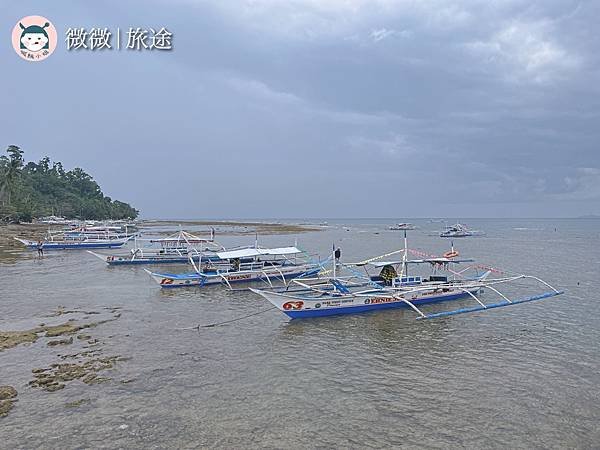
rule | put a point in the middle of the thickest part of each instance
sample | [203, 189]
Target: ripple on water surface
[524, 376]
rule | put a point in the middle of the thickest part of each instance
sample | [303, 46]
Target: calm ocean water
[518, 377]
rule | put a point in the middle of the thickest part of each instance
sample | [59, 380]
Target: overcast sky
[306, 108]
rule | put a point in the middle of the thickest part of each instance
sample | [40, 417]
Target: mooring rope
[216, 324]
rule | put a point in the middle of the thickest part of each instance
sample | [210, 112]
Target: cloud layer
[308, 108]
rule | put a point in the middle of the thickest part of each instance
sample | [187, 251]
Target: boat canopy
[249, 252]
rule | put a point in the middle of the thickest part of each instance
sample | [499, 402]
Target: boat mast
[404, 265]
[334, 261]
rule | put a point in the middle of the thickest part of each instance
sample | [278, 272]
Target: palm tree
[10, 172]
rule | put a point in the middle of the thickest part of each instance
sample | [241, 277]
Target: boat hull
[195, 279]
[115, 260]
[297, 307]
[66, 245]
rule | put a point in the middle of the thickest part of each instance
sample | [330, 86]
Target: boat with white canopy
[244, 265]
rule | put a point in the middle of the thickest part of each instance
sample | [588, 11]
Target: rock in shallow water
[60, 342]
[7, 392]
[8, 395]
[77, 403]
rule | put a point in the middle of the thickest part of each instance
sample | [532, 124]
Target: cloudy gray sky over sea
[305, 108]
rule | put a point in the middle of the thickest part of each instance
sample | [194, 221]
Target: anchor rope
[216, 324]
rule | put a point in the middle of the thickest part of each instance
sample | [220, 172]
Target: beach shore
[34, 231]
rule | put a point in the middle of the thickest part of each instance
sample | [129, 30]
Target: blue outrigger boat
[79, 243]
[178, 248]
[252, 264]
[393, 287]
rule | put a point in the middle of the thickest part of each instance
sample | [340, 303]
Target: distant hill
[589, 216]
[30, 189]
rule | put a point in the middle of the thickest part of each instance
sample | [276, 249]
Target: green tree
[11, 171]
[30, 189]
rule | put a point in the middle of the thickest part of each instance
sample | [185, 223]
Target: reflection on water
[523, 376]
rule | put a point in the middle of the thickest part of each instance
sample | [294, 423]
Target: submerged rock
[60, 342]
[9, 339]
[7, 392]
[8, 395]
[55, 377]
[77, 403]
[5, 407]
[54, 387]
[65, 328]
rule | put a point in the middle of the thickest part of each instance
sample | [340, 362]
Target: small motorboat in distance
[403, 227]
[459, 230]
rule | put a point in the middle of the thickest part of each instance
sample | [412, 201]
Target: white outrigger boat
[65, 241]
[177, 248]
[357, 293]
[268, 265]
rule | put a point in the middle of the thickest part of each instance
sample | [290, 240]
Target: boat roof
[248, 252]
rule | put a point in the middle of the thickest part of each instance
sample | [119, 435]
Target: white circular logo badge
[34, 38]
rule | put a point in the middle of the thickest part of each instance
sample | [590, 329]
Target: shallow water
[521, 377]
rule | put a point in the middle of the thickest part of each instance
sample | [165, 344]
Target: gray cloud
[307, 108]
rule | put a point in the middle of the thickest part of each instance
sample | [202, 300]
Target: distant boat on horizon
[459, 230]
[403, 227]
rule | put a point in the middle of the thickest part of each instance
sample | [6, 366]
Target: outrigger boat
[357, 293]
[51, 242]
[176, 248]
[268, 265]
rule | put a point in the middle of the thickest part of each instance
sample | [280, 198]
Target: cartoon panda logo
[34, 38]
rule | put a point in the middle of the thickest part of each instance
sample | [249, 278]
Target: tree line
[34, 189]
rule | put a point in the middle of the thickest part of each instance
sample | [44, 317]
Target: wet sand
[8, 233]
[235, 227]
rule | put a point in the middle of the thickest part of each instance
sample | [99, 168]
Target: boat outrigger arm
[333, 295]
[478, 284]
[491, 286]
